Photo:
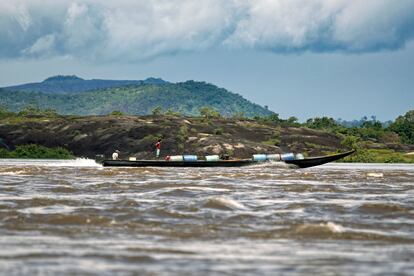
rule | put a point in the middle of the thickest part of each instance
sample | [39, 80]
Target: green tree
[321, 123]
[292, 121]
[274, 117]
[4, 112]
[208, 112]
[157, 111]
[351, 142]
[404, 127]
[239, 115]
[31, 110]
[116, 113]
[36, 151]
[171, 112]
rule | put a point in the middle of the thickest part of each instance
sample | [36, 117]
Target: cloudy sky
[338, 58]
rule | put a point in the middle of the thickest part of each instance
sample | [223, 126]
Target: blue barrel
[190, 158]
[259, 157]
[288, 156]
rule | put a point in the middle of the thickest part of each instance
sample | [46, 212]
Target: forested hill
[139, 99]
[74, 84]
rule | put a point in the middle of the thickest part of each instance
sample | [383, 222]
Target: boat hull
[316, 161]
[162, 163]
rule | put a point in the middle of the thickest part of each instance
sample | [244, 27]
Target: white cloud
[140, 29]
[44, 46]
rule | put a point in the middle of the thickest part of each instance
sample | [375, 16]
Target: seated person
[115, 155]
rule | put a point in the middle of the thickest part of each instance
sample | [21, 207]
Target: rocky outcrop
[134, 136]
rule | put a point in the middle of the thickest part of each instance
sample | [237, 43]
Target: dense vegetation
[36, 152]
[74, 84]
[399, 131]
[185, 98]
[404, 126]
[372, 139]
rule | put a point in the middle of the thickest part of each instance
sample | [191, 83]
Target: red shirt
[158, 145]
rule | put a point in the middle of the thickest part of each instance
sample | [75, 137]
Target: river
[76, 217]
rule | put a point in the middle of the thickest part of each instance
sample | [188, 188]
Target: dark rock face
[135, 136]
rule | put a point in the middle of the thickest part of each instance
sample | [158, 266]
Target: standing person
[158, 148]
[115, 155]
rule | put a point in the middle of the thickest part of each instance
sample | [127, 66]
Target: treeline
[36, 152]
[29, 111]
[399, 131]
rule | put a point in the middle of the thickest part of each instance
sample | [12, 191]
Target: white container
[299, 156]
[132, 159]
[176, 158]
[212, 158]
[273, 157]
[259, 157]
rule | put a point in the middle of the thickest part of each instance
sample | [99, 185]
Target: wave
[328, 227]
[383, 208]
[165, 213]
[224, 203]
[375, 174]
[78, 162]
[334, 231]
[56, 209]
[12, 173]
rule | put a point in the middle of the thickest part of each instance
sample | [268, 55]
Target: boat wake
[78, 162]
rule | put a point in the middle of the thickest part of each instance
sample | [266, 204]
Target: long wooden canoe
[301, 163]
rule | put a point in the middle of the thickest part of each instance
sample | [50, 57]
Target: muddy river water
[76, 217]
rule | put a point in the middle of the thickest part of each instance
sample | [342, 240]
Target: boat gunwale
[165, 163]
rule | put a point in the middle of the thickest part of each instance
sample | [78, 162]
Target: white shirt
[115, 156]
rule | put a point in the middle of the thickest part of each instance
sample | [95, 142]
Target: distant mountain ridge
[73, 95]
[75, 84]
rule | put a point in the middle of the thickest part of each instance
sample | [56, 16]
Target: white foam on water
[278, 164]
[335, 228]
[320, 228]
[78, 162]
[11, 173]
[373, 174]
[289, 211]
[228, 202]
[56, 209]
[206, 189]
[367, 166]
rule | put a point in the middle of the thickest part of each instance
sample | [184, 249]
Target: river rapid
[76, 217]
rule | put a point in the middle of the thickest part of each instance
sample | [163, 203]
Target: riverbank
[87, 136]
